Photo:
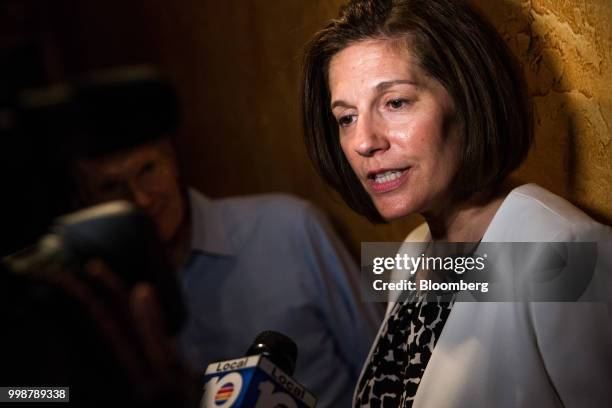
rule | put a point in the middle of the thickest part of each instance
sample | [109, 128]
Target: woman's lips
[388, 181]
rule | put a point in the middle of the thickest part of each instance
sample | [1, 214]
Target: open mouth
[387, 180]
[387, 176]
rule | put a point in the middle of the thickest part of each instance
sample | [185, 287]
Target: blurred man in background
[69, 321]
[247, 264]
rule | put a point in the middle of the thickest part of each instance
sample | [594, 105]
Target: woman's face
[397, 127]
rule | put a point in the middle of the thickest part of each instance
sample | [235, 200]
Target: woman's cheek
[401, 134]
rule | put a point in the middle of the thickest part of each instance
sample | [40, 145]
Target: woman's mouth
[387, 180]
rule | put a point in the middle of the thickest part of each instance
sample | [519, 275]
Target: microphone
[262, 379]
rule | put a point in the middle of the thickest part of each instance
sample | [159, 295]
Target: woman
[417, 106]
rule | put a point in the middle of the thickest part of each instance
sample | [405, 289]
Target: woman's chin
[392, 213]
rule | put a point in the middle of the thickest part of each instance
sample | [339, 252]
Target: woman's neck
[466, 220]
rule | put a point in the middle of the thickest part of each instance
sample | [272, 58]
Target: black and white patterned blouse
[394, 370]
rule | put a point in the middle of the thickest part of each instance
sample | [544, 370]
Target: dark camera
[118, 234]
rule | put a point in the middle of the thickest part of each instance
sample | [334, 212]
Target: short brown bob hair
[452, 43]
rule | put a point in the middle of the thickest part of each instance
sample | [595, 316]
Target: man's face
[146, 175]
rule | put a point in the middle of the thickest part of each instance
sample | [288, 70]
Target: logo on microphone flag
[252, 381]
[224, 394]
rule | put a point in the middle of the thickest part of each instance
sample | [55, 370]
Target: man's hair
[455, 45]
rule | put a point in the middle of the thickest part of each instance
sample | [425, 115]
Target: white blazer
[520, 354]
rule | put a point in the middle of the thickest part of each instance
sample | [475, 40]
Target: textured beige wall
[565, 47]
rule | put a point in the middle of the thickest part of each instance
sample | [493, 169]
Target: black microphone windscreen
[280, 349]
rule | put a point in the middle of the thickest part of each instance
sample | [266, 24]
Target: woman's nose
[371, 137]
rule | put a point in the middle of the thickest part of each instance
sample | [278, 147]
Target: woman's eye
[397, 103]
[346, 120]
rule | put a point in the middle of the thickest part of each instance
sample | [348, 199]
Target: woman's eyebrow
[380, 87]
[341, 103]
[383, 86]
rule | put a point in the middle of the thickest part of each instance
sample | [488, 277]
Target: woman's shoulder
[532, 213]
